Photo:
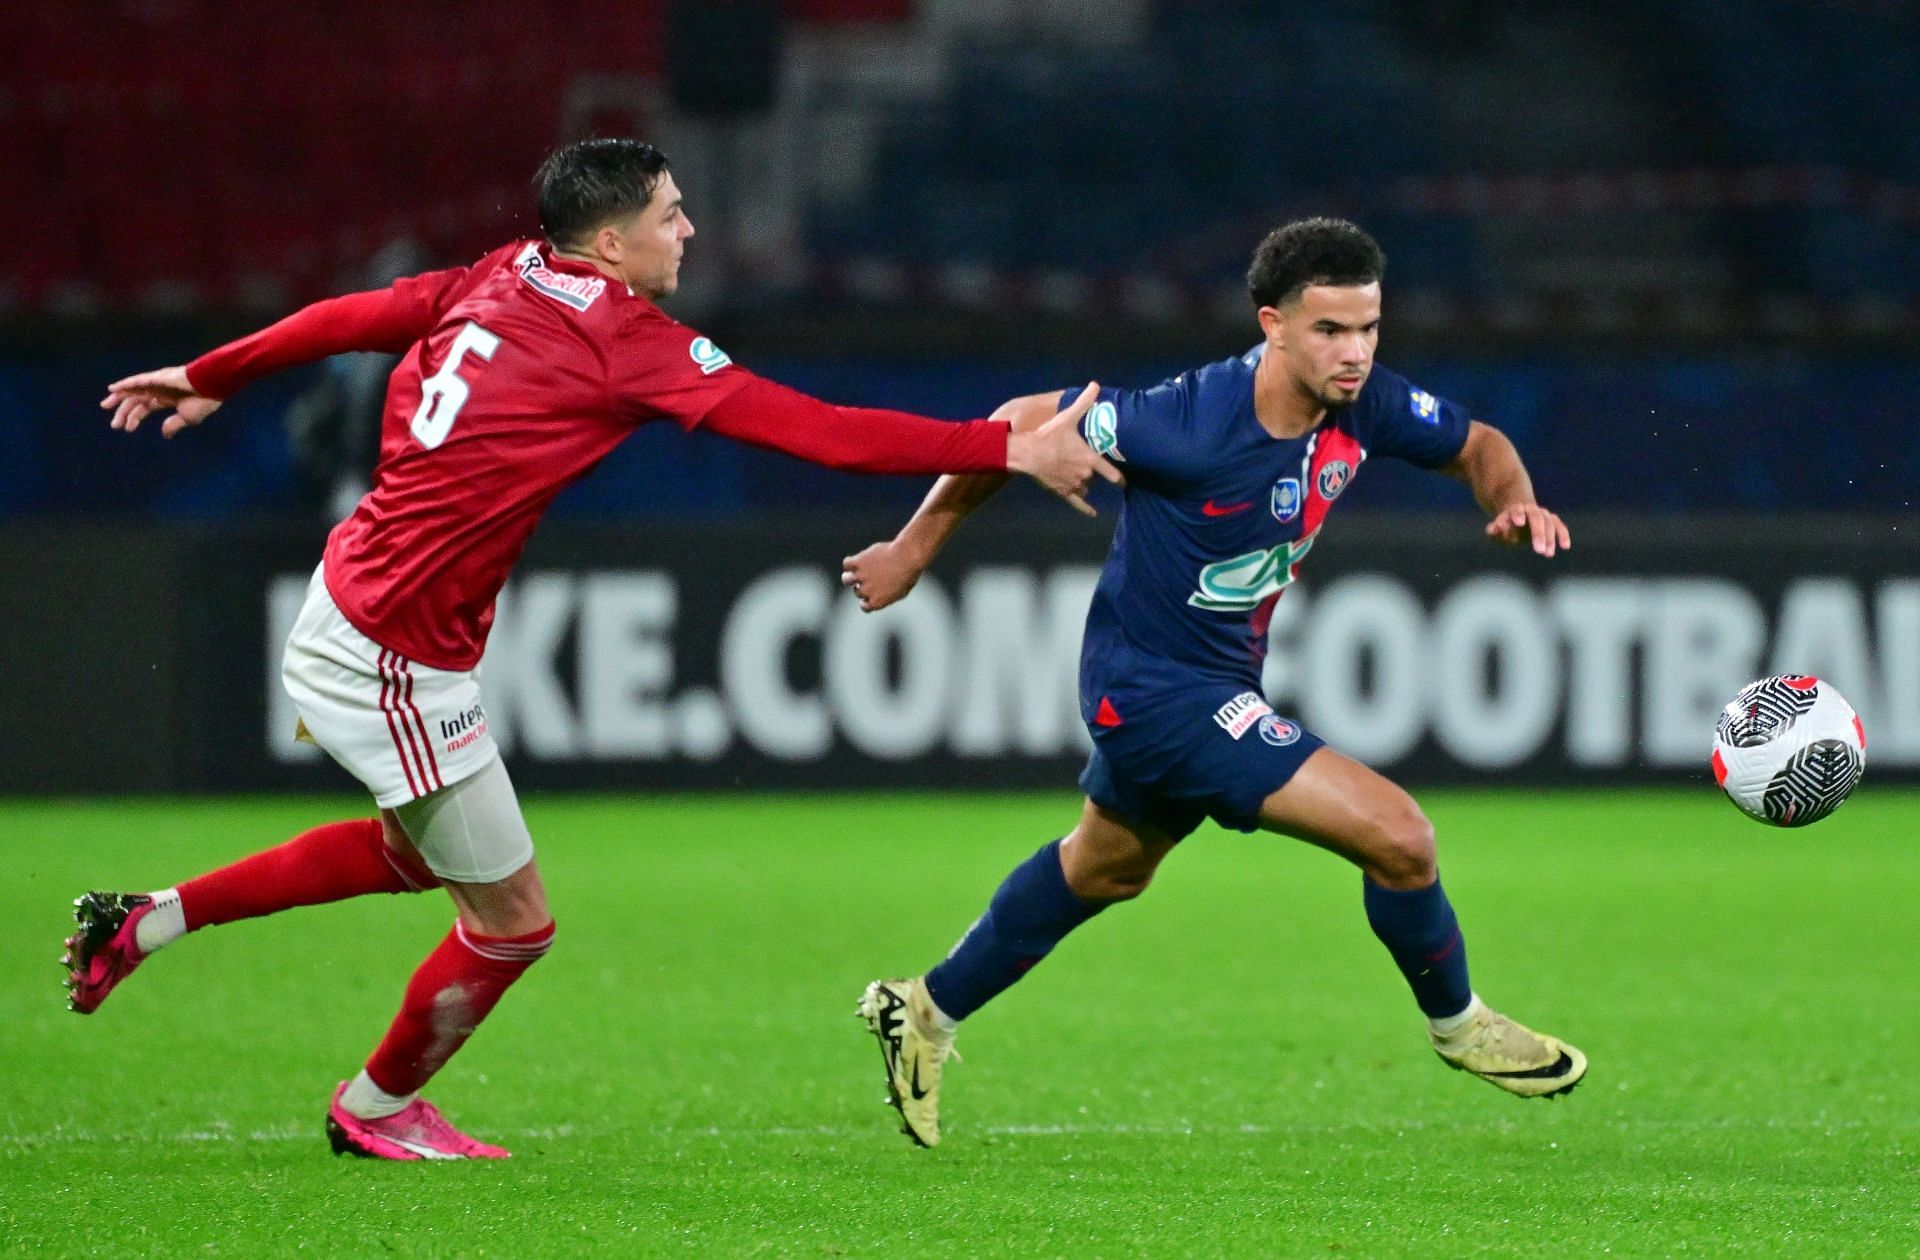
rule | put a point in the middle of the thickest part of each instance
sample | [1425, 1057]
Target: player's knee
[508, 916]
[526, 906]
[513, 906]
[1402, 850]
[1114, 884]
[1105, 859]
[398, 851]
[417, 875]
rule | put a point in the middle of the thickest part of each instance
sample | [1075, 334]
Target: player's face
[653, 241]
[1326, 339]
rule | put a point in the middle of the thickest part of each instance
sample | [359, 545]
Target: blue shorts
[1212, 752]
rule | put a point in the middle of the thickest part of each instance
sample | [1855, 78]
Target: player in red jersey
[521, 373]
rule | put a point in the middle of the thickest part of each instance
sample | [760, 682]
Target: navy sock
[1419, 930]
[1030, 912]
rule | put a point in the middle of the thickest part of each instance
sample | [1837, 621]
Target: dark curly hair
[1312, 251]
[590, 182]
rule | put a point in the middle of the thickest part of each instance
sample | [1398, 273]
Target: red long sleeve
[857, 439]
[390, 319]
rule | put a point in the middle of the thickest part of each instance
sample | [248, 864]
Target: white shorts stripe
[431, 771]
[388, 685]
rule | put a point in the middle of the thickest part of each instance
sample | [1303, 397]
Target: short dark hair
[589, 182]
[1312, 251]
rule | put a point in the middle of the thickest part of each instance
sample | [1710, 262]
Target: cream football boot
[914, 1048]
[1512, 1056]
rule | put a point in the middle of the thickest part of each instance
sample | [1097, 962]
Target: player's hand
[880, 575]
[134, 398]
[1058, 458]
[1529, 520]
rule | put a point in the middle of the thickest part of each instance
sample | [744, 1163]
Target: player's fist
[1520, 521]
[1056, 456]
[134, 398]
[880, 575]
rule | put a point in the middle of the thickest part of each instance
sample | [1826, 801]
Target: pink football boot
[418, 1131]
[104, 951]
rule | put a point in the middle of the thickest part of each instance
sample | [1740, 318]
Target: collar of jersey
[575, 266]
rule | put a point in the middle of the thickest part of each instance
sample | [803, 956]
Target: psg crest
[1286, 499]
[1334, 478]
[1278, 731]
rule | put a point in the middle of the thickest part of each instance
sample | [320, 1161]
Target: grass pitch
[1228, 1066]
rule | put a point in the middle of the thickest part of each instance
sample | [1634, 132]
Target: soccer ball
[1788, 750]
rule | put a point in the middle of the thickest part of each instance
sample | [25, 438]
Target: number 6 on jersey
[445, 392]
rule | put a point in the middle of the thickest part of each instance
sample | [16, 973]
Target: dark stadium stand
[249, 154]
[1795, 82]
[1258, 107]
[1596, 215]
[259, 153]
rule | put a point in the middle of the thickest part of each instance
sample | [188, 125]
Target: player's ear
[609, 244]
[1273, 326]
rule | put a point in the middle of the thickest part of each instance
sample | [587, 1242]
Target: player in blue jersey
[1231, 470]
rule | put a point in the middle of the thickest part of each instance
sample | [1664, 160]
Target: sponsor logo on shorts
[1279, 732]
[463, 729]
[1334, 478]
[1237, 716]
[1286, 499]
[709, 357]
[471, 737]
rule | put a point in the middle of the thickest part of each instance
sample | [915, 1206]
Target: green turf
[1229, 1066]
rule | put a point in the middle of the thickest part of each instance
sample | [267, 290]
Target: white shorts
[404, 730]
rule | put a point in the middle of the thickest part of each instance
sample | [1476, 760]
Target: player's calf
[332, 862]
[379, 1114]
[1420, 931]
[1033, 910]
[119, 931]
[448, 996]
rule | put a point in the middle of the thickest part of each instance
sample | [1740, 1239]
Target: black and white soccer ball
[1789, 750]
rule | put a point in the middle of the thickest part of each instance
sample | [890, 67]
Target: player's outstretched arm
[867, 439]
[1492, 468]
[1055, 455]
[389, 319]
[134, 398]
[883, 573]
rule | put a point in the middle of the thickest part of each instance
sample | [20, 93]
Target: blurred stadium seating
[1598, 216]
[262, 152]
[258, 152]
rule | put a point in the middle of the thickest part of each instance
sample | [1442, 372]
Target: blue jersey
[1216, 518]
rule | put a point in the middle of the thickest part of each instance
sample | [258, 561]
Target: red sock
[330, 863]
[447, 998]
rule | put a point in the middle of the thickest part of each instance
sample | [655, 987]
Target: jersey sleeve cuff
[205, 378]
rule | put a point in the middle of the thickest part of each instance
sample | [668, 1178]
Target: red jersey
[524, 371]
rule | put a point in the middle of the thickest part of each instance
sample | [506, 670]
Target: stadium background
[1671, 246]
[1673, 254]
